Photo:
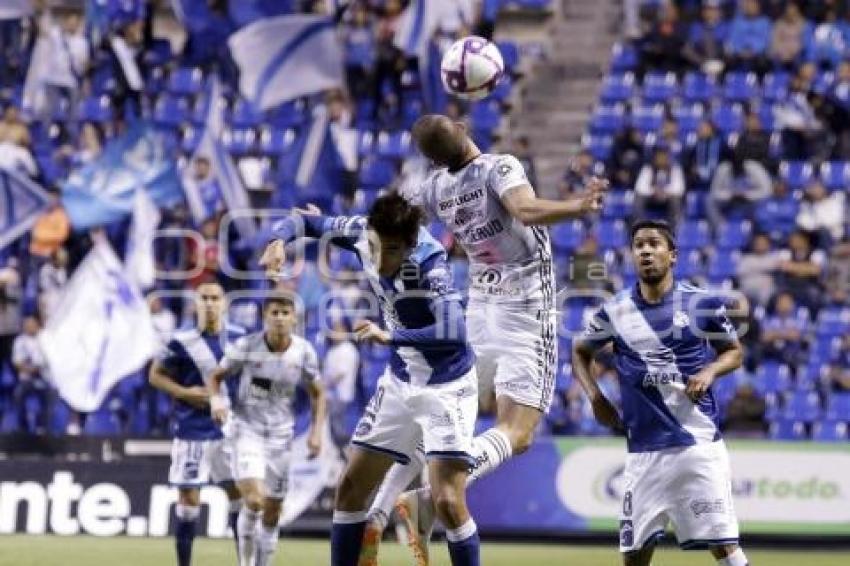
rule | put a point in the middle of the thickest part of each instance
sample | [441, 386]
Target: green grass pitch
[90, 551]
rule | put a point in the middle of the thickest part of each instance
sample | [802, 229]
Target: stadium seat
[598, 146]
[376, 173]
[239, 142]
[779, 218]
[394, 145]
[618, 205]
[612, 234]
[740, 87]
[734, 235]
[503, 90]
[728, 118]
[647, 119]
[808, 377]
[775, 86]
[723, 265]
[617, 88]
[411, 110]
[186, 80]
[607, 119]
[659, 88]
[802, 406]
[772, 377]
[688, 117]
[838, 407]
[835, 175]
[693, 234]
[171, 111]
[96, 109]
[689, 265]
[624, 57]
[698, 87]
[833, 322]
[485, 115]
[695, 205]
[288, 115]
[274, 142]
[510, 56]
[787, 430]
[567, 236]
[797, 174]
[830, 431]
[102, 422]
[245, 115]
[190, 139]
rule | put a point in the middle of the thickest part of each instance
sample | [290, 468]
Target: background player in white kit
[199, 453]
[495, 215]
[270, 365]
[677, 469]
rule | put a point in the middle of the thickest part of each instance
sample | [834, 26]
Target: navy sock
[466, 552]
[184, 533]
[232, 517]
[347, 537]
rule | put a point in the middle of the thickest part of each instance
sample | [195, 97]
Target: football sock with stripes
[267, 544]
[490, 450]
[247, 526]
[184, 531]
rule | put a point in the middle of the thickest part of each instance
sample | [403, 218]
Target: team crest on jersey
[681, 319]
[504, 169]
[466, 215]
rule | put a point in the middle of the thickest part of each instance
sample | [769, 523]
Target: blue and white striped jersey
[419, 305]
[657, 347]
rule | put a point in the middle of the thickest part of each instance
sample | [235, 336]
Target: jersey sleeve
[598, 332]
[718, 326]
[507, 173]
[310, 365]
[235, 356]
[344, 230]
[171, 358]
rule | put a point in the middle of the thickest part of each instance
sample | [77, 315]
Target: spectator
[836, 110]
[707, 38]
[737, 183]
[800, 271]
[749, 38]
[838, 275]
[756, 268]
[582, 168]
[745, 413]
[660, 188]
[12, 128]
[802, 131]
[359, 35]
[754, 143]
[702, 160]
[789, 35]
[205, 185]
[522, 151]
[661, 48]
[87, 149]
[669, 137]
[389, 64]
[10, 312]
[50, 231]
[342, 363]
[204, 256]
[15, 154]
[822, 214]
[825, 46]
[838, 371]
[783, 332]
[52, 278]
[31, 367]
[626, 157]
[69, 50]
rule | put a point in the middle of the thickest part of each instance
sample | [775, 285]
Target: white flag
[141, 266]
[287, 57]
[101, 331]
[15, 9]
[422, 18]
[34, 97]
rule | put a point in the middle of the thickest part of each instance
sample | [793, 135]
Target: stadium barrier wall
[561, 487]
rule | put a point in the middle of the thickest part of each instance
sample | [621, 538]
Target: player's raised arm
[160, 377]
[531, 210]
[596, 336]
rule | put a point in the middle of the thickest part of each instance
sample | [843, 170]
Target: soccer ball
[471, 68]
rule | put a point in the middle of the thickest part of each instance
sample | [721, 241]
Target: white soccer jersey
[267, 382]
[508, 260]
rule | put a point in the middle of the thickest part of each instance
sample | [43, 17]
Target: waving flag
[141, 266]
[287, 57]
[100, 332]
[21, 202]
[422, 18]
[102, 191]
[15, 9]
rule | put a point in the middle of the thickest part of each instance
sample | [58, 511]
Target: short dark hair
[278, 298]
[393, 216]
[660, 225]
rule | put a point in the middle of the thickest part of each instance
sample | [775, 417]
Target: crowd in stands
[729, 119]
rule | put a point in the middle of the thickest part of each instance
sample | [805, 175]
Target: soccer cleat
[371, 541]
[417, 515]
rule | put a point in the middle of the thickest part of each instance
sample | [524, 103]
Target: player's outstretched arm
[531, 210]
[603, 409]
[160, 379]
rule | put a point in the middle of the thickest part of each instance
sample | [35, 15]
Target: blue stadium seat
[171, 111]
[288, 115]
[767, 117]
[797, 174]
[835, 175]
[778, 217]
[688, 117]
[612, 234]
[395, 145]
[617, 88]
[647, 119]
[96, 109]
[598, 146]
[830, 431]
[239, 142]
[190, 140]
[411, 110]
[102, 422]
[186, 80]
[787, 430]
[695, 205]
[723, 265]
[618, 204]
[808, 377]
[659, 87]
[567, 236]
[377, 173]
[775, 87]
[510, 56]
[728, 118]
[485, 115]
[772, 377]
[607, 119]
[690, 265]
[274, 141]
[833, 322]
[823, 349]
[740, 87]
[734, 235]
[838, 407]
[624, 57]
[698, 87]
[693, 234]
[245, 115]
[503, 90]
[802, 406]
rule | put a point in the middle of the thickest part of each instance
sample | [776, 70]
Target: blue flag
[246, 12]
[101, 192]
[21, 202]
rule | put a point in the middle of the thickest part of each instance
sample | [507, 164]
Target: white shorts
[689, 487]
[198, 462]
[400, 415]
[517, 351]
[265, 459]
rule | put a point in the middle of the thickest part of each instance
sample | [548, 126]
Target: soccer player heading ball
[677, 469]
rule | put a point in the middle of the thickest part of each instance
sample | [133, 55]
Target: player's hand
[699, 383]
[196, 396]
[593, 197]
[218, 410]
[273, 258]
[310, 210]
[367, 331]
[606, 413]
[314, 444]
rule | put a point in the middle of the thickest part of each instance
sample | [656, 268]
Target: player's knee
[521, 439]
[723, 551]
[271, 513]
[348, 494]
[449, 505]
[189, 497]
[253, 501]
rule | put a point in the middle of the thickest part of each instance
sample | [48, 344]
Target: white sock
[397, 480]
[186, 512]
[247, 526]
[490, 450]
[267, 544]
[463, 532]
[737, 558]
